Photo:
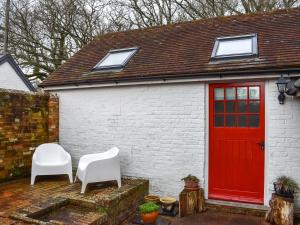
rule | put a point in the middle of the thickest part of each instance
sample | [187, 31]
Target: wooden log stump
[191, 202]
[281, 211]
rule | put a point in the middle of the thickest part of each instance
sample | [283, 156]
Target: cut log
[191, 202]
[281, 211]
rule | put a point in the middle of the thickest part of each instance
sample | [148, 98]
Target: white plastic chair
[99, 167]
[51, 159]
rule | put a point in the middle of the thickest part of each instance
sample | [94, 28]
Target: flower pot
[167, 200]
[191, 185]
[151, 198]
[283, 193]
[149, 218]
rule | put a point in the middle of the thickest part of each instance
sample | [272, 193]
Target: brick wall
[26, 121]
[53, 118]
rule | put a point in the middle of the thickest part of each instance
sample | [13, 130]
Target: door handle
[262, 145]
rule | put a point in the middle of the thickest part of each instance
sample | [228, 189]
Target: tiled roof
[184, 49]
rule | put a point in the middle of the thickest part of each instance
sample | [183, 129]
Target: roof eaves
[205, 75]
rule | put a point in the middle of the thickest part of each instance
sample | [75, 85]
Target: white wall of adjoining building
[9, 79]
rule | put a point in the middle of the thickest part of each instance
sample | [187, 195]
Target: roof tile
[185, 48]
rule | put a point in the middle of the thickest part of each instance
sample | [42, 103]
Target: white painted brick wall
[158, 128]
[283, 138]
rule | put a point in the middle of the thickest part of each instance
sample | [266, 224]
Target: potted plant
[149, 212]
[191, 182]
[285, 186]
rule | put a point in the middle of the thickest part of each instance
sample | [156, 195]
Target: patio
[53, 198]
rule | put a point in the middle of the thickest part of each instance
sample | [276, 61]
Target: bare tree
[196, 9]
[6, 26]
[148, 13]
[289, 3]
[44, 34]
[251, 6]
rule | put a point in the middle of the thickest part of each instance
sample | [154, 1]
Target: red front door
[236, 140]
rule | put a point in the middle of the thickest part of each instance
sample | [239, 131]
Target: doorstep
[236, 207]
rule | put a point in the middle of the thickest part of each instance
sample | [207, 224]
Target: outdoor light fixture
[281, 85]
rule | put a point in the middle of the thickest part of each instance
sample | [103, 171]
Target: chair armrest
[103, 164]
[35, 158]
[88, 156]
[67, 155]
[94, 157]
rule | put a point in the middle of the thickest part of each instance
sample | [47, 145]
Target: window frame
[218, 40]
[236, 113]
[115, 66]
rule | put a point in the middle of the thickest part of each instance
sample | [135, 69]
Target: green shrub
[148, 207]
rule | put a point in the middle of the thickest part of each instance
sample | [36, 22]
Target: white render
[161, 131]
[9, 79]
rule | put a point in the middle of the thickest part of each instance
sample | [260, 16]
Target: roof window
[235, 47]
[115, 59]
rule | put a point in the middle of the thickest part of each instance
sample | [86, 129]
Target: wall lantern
[281, 85]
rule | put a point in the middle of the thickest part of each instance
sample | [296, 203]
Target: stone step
[236, 207]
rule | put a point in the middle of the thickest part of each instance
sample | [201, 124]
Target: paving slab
[217, 218]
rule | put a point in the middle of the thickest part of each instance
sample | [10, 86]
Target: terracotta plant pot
[191, 185]
[149, 218]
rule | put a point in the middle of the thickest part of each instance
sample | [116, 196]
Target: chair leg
[71, 177]
[76, 176]
[119, 182]
[75, 179]
[83, 187]
[32, 179]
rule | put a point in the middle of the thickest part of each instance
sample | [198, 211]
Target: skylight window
[235, 46]
[115, 59]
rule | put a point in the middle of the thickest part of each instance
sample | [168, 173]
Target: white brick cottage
[167, 127]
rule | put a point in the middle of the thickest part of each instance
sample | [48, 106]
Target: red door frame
[254, 134]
